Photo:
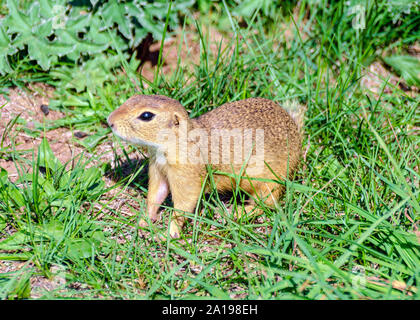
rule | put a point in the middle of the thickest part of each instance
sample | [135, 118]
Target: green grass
[345, 228]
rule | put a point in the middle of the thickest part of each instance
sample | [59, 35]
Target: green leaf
[47, 186]
[39, 50]
[80, 249]
[407, 66]
[47, 157]
[16, 20]
[43, 29]
[21, 256]
[91, 75]
[92, 180]
[92, 141]
[70, 40]
[15, 195]
[212, 289]
[155, 28]
[46, 30]
[114, 12]
[54, 229]
[32, 31]
[139, 35]
[3, 176]
[78, 22]
[6, 48]
[246, 8]
[17, 287]
[97, 34]
[14, 242]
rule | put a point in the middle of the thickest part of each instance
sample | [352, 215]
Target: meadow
[72, 194]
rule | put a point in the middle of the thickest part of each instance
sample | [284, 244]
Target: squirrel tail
[296, 111]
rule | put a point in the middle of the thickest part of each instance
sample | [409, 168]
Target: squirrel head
[141, 118]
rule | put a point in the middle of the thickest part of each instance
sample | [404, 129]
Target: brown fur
[282, 145]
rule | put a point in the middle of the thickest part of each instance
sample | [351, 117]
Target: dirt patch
[183, 48]
[30, 105]
[378, 79]
[414, 50]
[24, 137]
[11, 266]
[375, 79]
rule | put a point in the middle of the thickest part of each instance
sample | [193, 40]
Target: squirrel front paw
[174, 230]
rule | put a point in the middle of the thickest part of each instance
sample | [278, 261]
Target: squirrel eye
[146, 116]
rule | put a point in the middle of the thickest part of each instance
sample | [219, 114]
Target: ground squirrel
[248, 139]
